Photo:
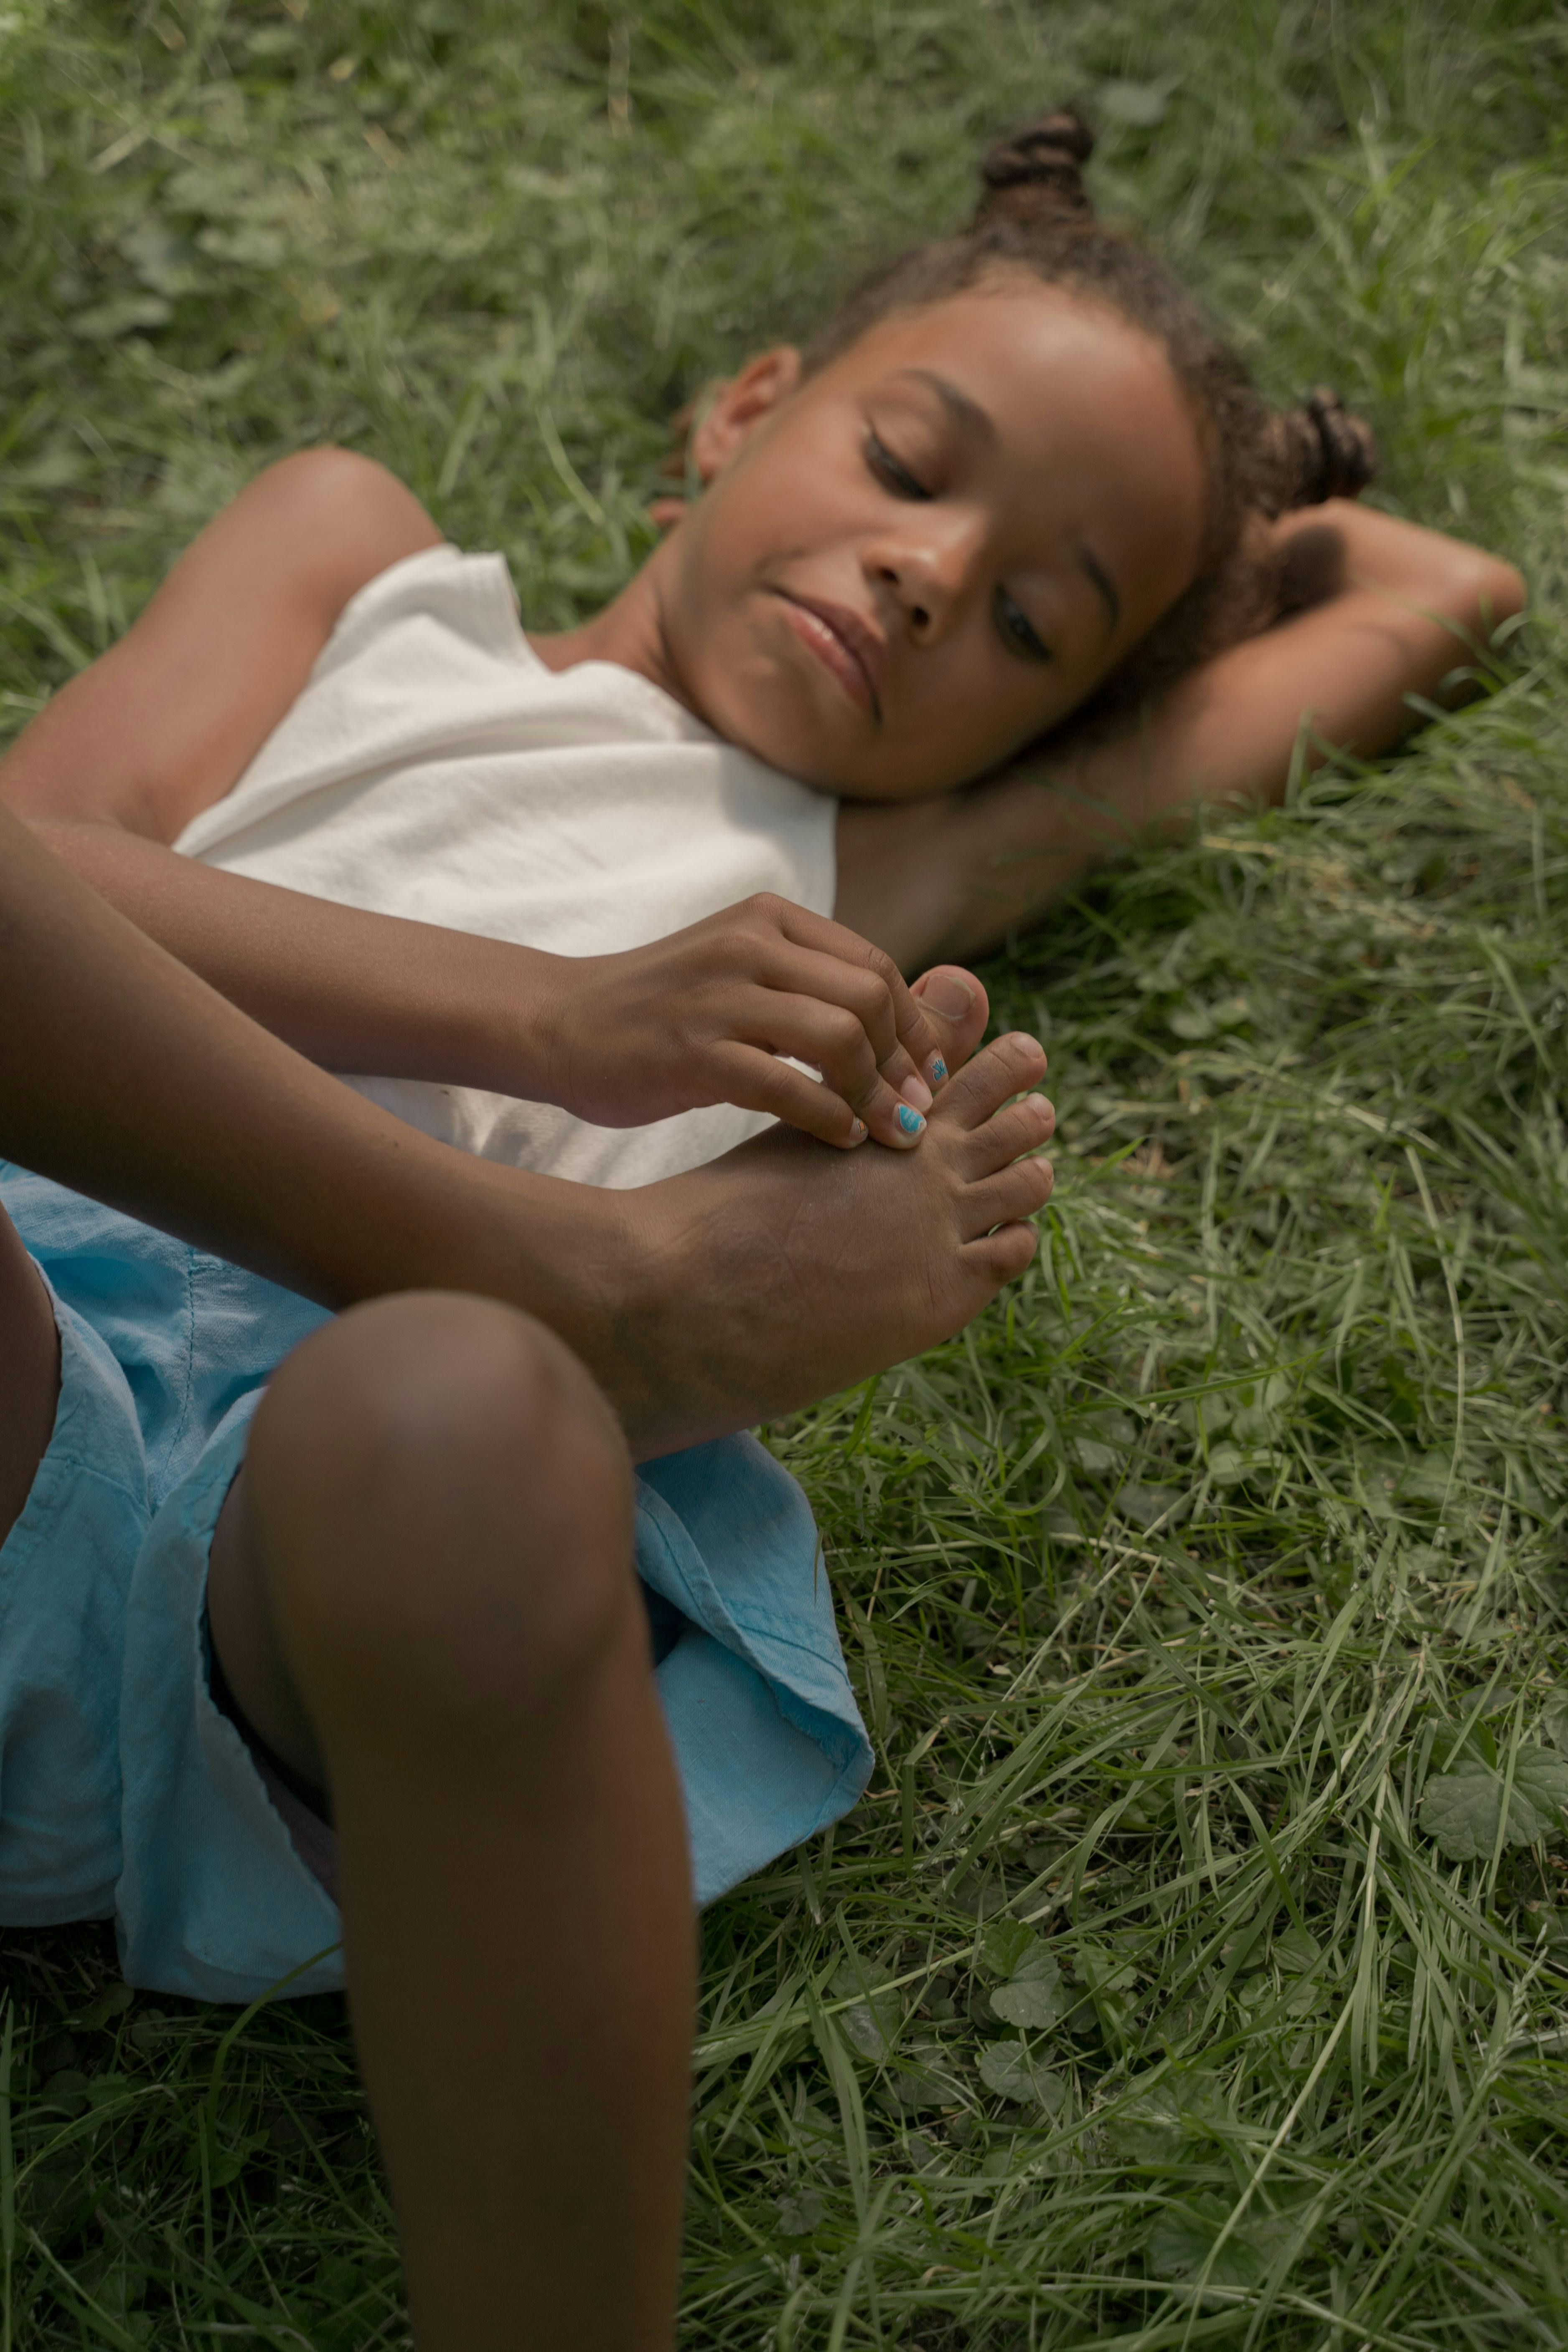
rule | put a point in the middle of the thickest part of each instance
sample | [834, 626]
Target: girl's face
[906, 567]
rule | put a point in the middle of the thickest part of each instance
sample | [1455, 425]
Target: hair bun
[1322, 452]
[1038, 169]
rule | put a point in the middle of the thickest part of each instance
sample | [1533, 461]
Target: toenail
[947, 994]
[937, 1071]
[916, 1092]
[910, 1120]
[857, 1130]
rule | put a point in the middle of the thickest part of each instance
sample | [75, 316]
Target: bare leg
[425, 1593]
[29, 1373]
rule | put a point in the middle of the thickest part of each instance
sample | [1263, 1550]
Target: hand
[704, 1016]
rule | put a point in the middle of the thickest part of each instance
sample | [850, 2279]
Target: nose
[928, 569]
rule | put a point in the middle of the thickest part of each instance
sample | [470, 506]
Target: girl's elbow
[1487, 592]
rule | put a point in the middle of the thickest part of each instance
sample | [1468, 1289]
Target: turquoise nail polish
[910, 1120]
[938, 1070]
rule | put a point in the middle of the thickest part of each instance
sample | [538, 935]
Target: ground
[1195, 1969]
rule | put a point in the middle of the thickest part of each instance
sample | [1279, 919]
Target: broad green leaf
[1150, 2126]
[1096, 1457]
[1145, 2128]
[1554, 1717]
[1034, 1997]
[1229, 1464]
[925, 2078]
[1540, 1780]
[1006, 1944]
[1180, 2242]
[1143, 1505]
[1462, 1807]
[800, 2211]
[1296, 1951]
[1006, 2068]
[1030, 2002]
[1103, 1972]
[871, 2026]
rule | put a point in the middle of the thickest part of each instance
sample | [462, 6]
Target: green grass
[1188, 1587]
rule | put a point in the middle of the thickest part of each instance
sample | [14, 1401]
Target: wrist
[497, 1027]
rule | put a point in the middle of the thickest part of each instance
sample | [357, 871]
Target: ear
[739, 405]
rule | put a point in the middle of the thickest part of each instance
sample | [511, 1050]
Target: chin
[787, 740]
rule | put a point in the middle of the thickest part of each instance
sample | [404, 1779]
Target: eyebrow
[1102, 580]
[960, 407]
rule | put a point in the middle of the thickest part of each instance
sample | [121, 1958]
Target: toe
[1003, 1255]
[1019, 1127]
[1006, 1066]
[957, 1008]
[1021, 1191]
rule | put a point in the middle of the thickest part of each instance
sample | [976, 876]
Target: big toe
[957, 1008]
[1006, 1066]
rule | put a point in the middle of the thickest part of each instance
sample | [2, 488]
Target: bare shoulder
[162, 724]
[328, 518]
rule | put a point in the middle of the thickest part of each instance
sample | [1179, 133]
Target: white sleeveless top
[435, 768]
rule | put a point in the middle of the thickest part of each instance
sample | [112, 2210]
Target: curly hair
[1034, 214]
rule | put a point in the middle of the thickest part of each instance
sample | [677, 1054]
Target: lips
[844, 644]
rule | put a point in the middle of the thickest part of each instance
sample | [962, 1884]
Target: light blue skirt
[126, 1794]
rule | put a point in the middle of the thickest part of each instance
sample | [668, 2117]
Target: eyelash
[1013, 623]
[891, 470]
[1018, 630]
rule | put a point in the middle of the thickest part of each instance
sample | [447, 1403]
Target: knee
[444, 1502]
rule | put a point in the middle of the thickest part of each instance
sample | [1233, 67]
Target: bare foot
[784, 1272]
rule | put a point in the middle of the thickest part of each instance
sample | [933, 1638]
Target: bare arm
[168, 720]
[125, 1077]
[1387, 612]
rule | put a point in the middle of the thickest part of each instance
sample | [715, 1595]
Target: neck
[629, 632]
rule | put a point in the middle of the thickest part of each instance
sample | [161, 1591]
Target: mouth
[844, 646]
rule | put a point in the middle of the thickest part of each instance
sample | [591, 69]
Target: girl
[1017, 483]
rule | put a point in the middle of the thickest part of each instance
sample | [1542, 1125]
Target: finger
[756, 1080]
[834, 1040]
[916, 1036]
[856, 990]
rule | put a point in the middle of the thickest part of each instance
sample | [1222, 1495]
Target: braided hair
[1035, 214]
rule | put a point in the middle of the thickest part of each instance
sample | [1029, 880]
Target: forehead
[1071, 386]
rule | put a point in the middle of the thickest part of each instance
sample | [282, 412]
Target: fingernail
[915, 1091]
[910, 1120]
[947, 994]
[936, 1069]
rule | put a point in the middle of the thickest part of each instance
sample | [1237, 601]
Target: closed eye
[892, 470]
[1018, 631]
